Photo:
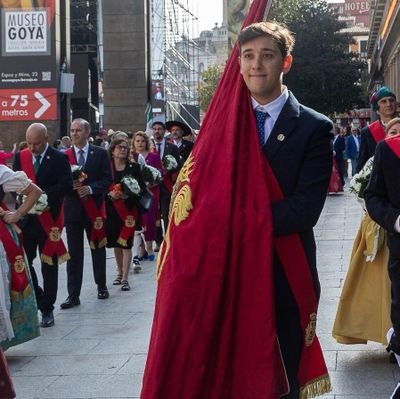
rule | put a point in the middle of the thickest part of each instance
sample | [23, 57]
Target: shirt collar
[85, 149]
[42, 153]
[273, 108]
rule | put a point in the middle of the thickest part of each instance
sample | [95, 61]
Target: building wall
[125, 65]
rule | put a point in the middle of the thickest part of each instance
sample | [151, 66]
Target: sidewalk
[98, 349]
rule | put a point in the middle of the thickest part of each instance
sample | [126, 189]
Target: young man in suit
[50, 170]
[85, 212]
[385, 105]
[164, 147]
[296, 141]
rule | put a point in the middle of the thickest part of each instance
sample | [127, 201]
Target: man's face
[387, 107]
[158, 132]
[176, 132]
[36, 140]
[262, 66]
[79, 135]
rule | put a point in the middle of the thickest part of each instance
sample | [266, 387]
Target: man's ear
[287, 63]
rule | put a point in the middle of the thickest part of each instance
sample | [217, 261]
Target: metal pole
[100, 53]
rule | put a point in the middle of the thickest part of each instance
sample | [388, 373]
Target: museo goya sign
[28, 63]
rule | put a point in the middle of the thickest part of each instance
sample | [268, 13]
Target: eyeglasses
[121, 147]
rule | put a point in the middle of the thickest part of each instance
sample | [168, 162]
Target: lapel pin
[92, 152]
[48, 157]
[281, 137]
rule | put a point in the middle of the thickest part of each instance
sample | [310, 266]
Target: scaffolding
[175, 57]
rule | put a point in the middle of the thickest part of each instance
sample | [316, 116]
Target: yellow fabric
[364, 307]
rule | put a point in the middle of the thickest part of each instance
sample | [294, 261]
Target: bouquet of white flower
[170, 163]
[130, 186]
[151, 175]
[40, 205]
[360, 180]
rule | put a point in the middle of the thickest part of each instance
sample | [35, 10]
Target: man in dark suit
[339, 145]
[178, 130]
[50, 170]
[296, 141]
[382, 199]
[85, 211]
[385, 105]
[164, 147]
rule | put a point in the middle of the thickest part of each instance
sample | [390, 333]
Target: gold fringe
[64, 258]
[100, 244]
[122, 242]
[46, 259]
[49, 260]
[15, 295]
[317, 387]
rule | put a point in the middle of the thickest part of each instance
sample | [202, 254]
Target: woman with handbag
[141, 148]
[122, 203]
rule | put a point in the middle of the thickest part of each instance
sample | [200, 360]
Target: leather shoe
[70, 302]
[47, 319]
[394, 345]
[103, 293]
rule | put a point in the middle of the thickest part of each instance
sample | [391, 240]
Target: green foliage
[324, 75]
[208, 84]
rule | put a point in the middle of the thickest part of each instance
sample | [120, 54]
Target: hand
[76, 184]
[83, 191]
[10, 217]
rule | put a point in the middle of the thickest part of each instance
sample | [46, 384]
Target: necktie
[261, 116]
[159, 148]
[36, 165]
[81, 158]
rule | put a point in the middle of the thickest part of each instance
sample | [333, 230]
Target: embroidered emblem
[98, 223]
[129, 221]
[311, 329]
[55, 234]
[281, 137]
[19, 264]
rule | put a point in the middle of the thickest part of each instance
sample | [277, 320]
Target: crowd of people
[113, 196]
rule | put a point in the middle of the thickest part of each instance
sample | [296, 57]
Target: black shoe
[70, 302]
[103, 293]
[394, 345]
[47, 319]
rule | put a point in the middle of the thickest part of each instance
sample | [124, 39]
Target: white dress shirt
[273, 109]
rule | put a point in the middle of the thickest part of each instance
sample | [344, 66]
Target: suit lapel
[284, 126]
[44, 164]
[90, 158]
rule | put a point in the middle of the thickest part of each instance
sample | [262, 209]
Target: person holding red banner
[236, 309]
[384, 104]
[42, 229]
[84, 210]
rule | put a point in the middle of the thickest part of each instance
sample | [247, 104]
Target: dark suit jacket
[99, 178]
[302, 164]
[54, 177]
[339, 145]
[382, 195]
[351, 147]
[171, 149]
[367, 147]
[184, 151]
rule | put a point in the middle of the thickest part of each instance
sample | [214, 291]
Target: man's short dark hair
[159, 123]
[278, 32]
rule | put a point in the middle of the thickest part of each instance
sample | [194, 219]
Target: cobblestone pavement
[98, 349]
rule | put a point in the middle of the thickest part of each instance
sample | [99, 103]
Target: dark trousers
[34, 238]
[75, 264]
[394, 275]
[165, 201]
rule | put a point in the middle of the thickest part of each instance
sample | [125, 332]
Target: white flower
[151, 174]
[131, 184]
[40, 205]
[170, 163]
[360, 180]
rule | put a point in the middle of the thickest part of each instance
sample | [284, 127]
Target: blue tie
[81, 158]
[261, 116]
